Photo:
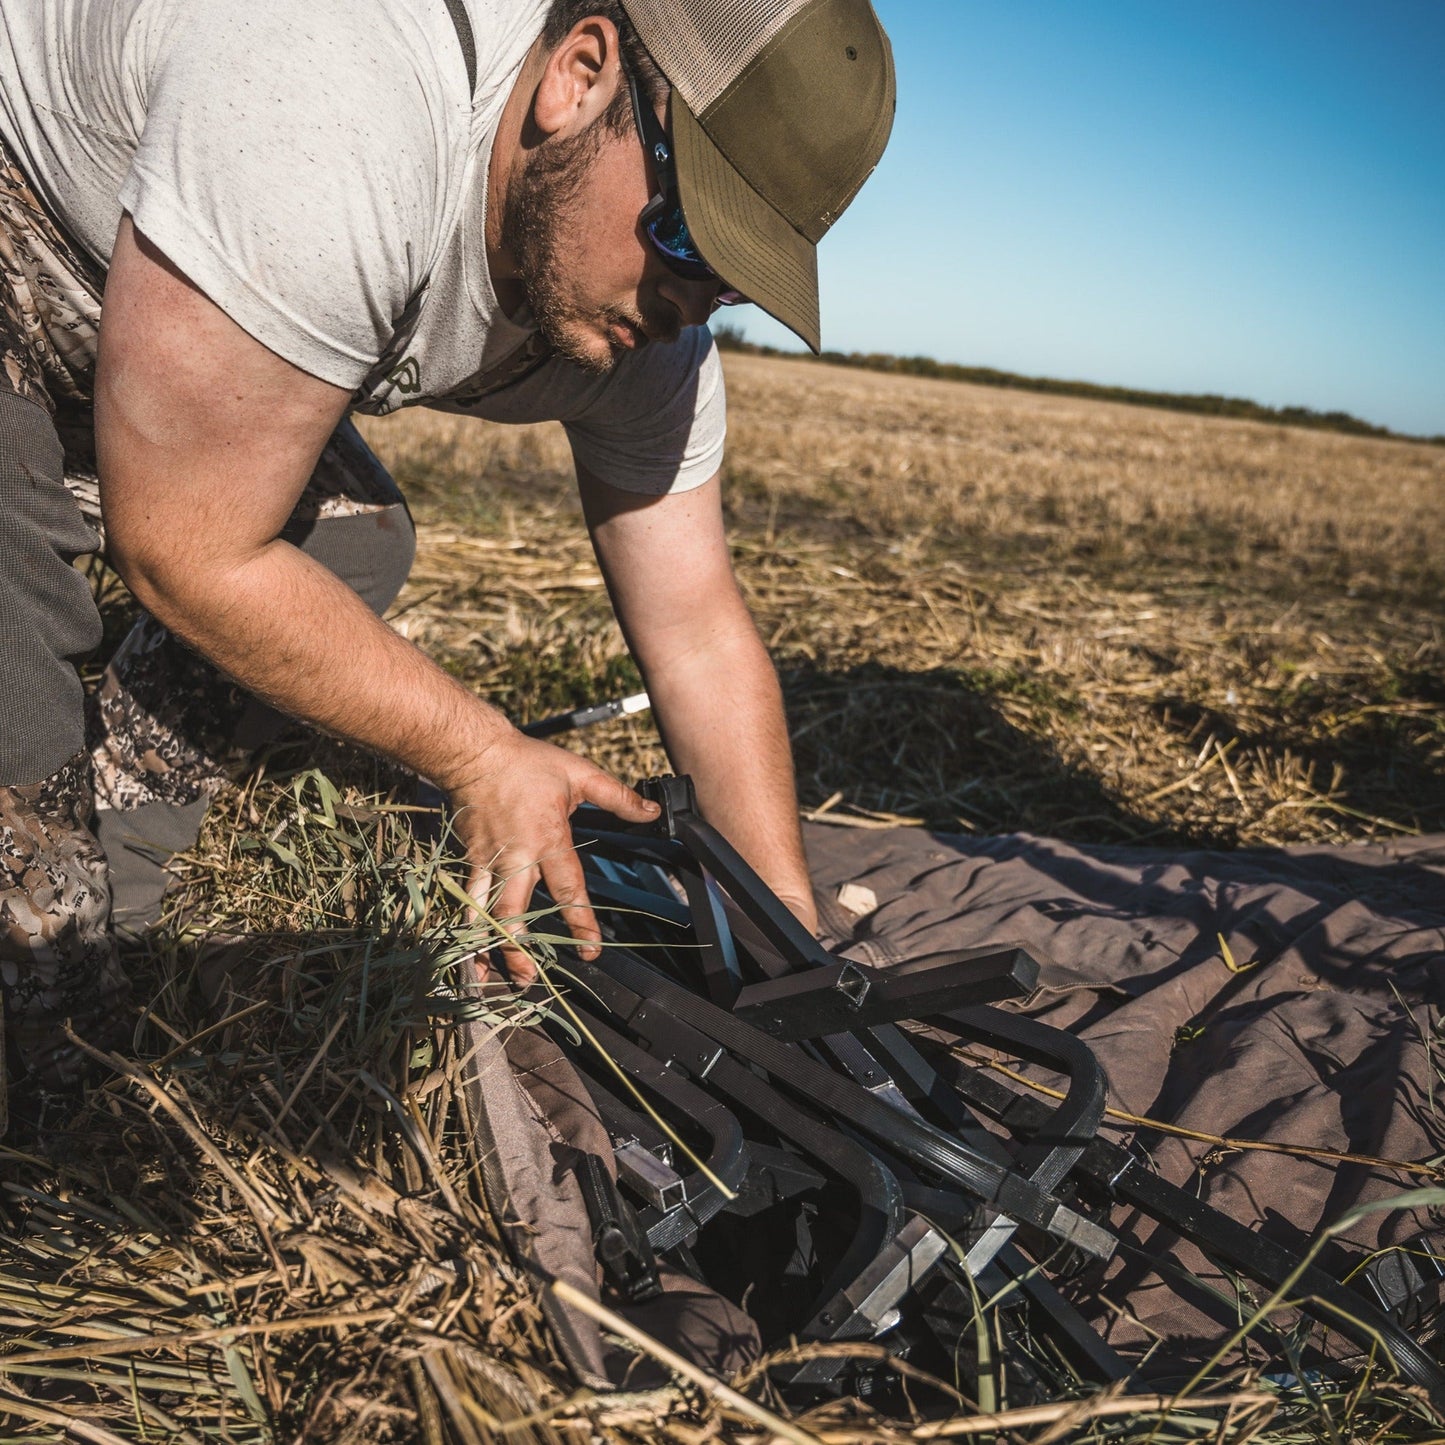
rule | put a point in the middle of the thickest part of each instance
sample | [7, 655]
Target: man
[297, 211]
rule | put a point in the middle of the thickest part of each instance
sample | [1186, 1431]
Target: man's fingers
[605, 791]
[512, 903]
[565, 882]
[561, 781]
[516, 897]
[562, 874]
[479, 886]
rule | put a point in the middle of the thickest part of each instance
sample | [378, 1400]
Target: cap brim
[753, 247]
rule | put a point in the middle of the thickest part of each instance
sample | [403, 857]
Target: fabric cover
[530, 1117]
[1321, 1034]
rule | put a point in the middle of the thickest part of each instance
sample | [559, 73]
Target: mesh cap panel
[702, 46]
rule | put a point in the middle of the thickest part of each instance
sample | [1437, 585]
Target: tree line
[730, 338]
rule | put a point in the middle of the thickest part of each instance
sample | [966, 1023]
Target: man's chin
[584, 347]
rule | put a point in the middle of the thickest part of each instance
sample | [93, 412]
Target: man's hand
[512, 817]
[205, 441]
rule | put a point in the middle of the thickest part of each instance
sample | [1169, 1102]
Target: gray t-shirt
[318, 169]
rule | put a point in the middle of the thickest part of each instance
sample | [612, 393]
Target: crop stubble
[990, 610]
[996, 610]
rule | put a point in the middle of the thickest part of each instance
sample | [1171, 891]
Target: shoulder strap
[457, 9]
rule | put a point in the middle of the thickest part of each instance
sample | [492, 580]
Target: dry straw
[990, 611]
[995, 611]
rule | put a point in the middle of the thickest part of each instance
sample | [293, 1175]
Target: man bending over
[508, 208]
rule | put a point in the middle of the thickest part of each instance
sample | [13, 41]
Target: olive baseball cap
[780, 111]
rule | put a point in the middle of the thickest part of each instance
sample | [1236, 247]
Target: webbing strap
[457, 9]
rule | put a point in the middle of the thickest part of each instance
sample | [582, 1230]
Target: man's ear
[580, 78]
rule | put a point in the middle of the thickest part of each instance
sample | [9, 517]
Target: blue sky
[1243, 196]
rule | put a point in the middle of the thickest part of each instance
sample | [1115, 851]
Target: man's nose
[694, 299]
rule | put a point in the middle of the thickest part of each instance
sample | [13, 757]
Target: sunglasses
[662, 220]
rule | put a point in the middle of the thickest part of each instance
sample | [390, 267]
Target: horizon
[1248, 202]
[732, 338]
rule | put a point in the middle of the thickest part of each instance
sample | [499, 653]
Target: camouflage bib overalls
[128, 774]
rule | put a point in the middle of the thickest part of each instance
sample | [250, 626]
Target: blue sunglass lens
[670, 235]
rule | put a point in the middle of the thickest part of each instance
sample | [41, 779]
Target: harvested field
[995, 610]
[991, 610]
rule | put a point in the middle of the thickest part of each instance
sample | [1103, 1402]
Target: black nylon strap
[457, 9]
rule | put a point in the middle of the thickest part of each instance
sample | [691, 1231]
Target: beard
[539, 215]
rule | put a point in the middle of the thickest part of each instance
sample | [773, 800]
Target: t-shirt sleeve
[289, 166]
[659, 423]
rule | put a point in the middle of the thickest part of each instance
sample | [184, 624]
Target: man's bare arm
[205, 441]
[711, 681]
